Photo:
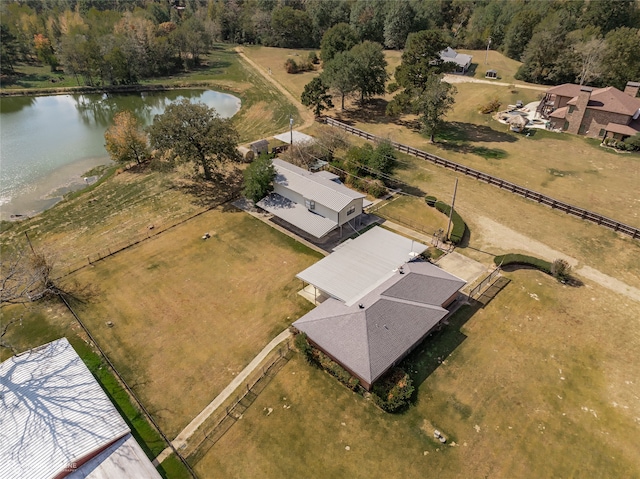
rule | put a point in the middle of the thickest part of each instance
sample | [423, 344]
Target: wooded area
[113, 42]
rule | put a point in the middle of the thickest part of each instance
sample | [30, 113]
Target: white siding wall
[343, 218]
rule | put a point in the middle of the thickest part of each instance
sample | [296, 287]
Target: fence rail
[498, 182]
[217, 426]
[485, 282]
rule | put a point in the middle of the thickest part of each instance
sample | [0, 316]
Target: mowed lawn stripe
[188, 314]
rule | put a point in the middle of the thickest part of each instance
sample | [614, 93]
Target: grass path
[302, 110]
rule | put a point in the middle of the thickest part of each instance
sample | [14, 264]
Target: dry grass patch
[274, 59]
[414, 213]
[566, 167]
[189, 314]
[537, 385]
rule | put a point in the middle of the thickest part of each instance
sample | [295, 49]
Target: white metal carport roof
[298, 138]
[359, 265]
[297, 215]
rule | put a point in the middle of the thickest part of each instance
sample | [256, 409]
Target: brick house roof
[612, 100]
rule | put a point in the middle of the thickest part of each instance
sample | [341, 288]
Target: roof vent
[401, 270]
[361, 306]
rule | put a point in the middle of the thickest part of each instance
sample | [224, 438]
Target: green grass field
[189, 314]
[532, 388]
[414, 213]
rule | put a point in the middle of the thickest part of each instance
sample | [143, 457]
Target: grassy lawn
[415, 213]
[189, 314]
[274, 59]
[537, 385]
[566, 167]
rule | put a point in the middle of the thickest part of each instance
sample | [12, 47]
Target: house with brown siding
[596, 113]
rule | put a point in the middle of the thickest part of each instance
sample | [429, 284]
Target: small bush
[313, 58]
[375, 188]
[393, 391]
[392, 87]
[492, 106]
[561, 270]
[523, 259]
[459, 226]
[291, 66]
[430, 200]
[302, 345]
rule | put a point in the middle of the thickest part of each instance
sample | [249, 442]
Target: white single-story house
[381, 302]
[462, 60]
[56, 421]
[317, 203]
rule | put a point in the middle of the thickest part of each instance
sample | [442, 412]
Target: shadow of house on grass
[437, 347]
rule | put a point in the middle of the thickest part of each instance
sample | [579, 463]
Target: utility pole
[453, 201]
[291, 128]
[487, 54]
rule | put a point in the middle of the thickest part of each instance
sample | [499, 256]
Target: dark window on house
[566, 125]
[310, 204]
[582, 129]
[571, 108]
[351, 210]
[601, 134]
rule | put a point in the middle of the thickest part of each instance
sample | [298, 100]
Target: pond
[47, 143]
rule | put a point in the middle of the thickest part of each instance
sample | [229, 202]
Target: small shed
[493, 74]
[259, 147]
[247, 154]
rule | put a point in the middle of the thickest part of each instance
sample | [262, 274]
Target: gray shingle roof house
[377, 331]
[56, 421]
[314, 202]
[462, 60]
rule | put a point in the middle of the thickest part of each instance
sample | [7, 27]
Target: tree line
[114, 42]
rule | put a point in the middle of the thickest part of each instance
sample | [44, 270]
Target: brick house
[596, 113]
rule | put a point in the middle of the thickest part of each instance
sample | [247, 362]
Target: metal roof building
[358, 265]
[313, 202]
[56, 421]
[369, 337]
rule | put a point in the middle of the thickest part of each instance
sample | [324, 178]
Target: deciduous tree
[258, 178]
[339, 38]
[194, 132]
[315, 96]
[369, 70]
[125, 141]
[339, 75]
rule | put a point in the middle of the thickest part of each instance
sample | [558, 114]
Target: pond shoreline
[4, 92]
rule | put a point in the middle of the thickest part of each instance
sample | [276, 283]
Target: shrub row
[318, 358]
[459, 226]
[523, 259]
[292, 67]
[374, 187]
[393, 391]
[492, 106]
[626, 145]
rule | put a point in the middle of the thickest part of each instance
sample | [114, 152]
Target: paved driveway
[462, 267]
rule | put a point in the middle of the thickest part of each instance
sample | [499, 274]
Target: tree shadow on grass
[373, 111]
[209, 194]
[460, 131]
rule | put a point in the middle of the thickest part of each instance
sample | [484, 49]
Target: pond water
[47, 143]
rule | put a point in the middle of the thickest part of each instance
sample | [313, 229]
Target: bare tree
[589, 56]
[25, 277]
